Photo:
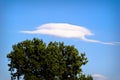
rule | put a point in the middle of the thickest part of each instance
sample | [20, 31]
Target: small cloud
[117, 77]
[66, 30]
[99, 77]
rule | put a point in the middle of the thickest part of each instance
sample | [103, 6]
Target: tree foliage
[34, 60]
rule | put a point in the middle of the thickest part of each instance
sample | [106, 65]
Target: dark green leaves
[33, 60]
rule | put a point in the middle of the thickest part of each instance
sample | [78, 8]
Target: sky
[92, 26]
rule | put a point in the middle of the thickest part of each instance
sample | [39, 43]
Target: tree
[84, 77]
[34, 60]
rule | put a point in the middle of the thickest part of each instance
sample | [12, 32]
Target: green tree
[34, 60]
[84, 77]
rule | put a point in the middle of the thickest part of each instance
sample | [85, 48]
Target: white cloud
[99, 77]
[66, 31]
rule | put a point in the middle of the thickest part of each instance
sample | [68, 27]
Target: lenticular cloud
[66, 31]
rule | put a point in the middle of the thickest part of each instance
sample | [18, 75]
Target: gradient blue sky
[100, 16]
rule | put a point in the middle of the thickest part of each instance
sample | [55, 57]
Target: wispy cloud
[66, 31]
[99, 77]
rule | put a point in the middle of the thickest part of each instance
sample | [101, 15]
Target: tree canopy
[34, 60]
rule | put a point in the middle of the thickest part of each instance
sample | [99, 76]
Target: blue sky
[100, 17]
